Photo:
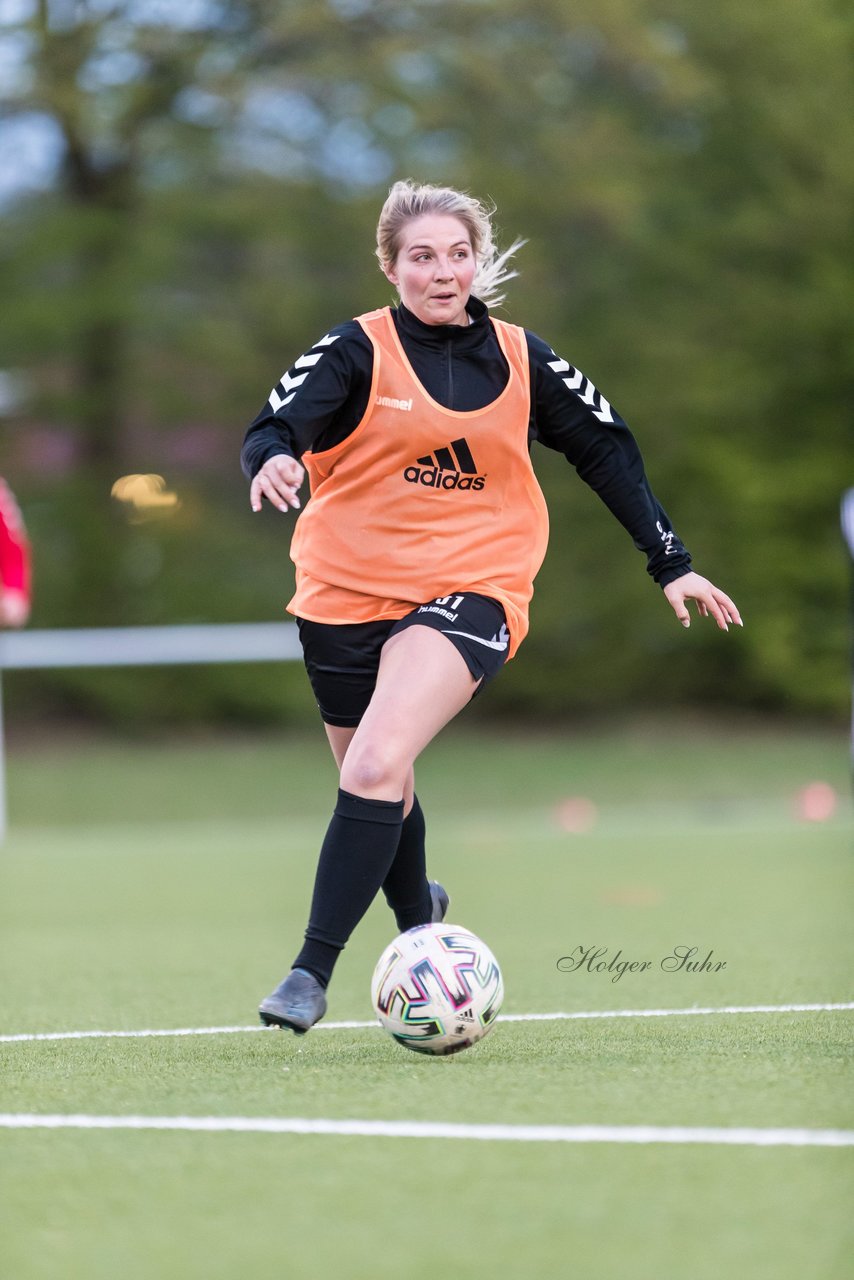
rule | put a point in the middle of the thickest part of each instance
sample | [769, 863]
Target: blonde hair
[407, 200]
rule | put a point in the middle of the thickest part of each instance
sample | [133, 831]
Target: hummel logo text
[451, 467]
[389, 402]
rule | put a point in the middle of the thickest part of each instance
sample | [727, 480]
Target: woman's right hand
[277, 481]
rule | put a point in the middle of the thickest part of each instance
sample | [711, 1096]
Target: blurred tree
[162, 252]
[684, 179]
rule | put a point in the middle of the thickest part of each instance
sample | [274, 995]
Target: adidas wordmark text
[449, 467]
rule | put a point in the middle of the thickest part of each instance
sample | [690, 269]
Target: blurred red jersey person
[14, 562]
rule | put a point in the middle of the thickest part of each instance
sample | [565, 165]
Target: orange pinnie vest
[422, 501]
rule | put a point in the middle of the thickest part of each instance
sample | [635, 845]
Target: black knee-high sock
[358, 849]
[405, 887]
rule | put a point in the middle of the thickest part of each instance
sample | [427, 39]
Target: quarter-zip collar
[460, 366]
[464, 338]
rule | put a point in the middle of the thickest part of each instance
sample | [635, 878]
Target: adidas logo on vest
[451, 467]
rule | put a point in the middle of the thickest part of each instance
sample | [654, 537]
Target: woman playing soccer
[416, 556]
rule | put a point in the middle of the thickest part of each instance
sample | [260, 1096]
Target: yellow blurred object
[147, 495]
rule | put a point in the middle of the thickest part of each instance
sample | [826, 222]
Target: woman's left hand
[710, 601]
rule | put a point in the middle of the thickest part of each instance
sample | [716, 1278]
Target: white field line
[583, 1133]
[505, 1017]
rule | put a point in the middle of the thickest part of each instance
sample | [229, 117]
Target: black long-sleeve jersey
[321, 400]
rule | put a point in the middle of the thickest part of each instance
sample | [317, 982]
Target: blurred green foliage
[684, 179]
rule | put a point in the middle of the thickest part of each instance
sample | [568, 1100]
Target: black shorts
[342, 659]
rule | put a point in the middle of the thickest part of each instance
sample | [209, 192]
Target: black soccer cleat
[441, 902]
[297, 1003]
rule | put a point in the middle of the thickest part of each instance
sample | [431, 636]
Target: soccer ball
[437, 988]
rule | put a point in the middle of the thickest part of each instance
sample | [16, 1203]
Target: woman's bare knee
[370, 771]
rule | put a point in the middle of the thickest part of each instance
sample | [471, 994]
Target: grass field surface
[162, 887]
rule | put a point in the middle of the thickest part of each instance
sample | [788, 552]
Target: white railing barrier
[140, 646]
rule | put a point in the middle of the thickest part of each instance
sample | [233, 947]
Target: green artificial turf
[165, 886]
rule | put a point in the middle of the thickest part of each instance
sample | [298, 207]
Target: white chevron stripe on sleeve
[589, 395]
[287, 384]
[276, 401]
[603, 413]
[291, 383]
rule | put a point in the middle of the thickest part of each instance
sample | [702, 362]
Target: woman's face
[434, 268]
